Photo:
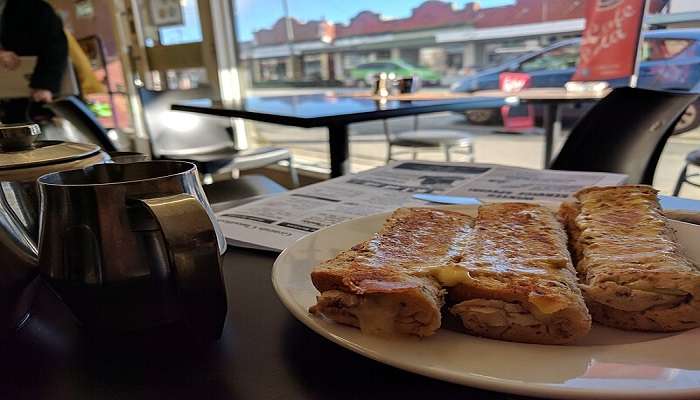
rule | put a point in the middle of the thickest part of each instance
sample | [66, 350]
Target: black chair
[205, 140]
[624, 133]
[88, 128]
[693, 158]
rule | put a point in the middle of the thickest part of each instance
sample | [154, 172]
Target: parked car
[364, 74]
[670, 61]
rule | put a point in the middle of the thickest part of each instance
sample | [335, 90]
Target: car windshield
[556, 59]
[663, 49]
[378, 65]
[403, 64]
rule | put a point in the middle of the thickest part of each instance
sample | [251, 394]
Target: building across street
[451, 42]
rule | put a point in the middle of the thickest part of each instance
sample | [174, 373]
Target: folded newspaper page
[276, 222]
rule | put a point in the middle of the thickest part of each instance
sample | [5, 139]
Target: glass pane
[189, 32]
[158, 31]
[555, 59]
[173, 29]
[663, 49]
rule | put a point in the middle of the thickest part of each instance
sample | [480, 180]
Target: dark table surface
[264, 353]
[317, 110]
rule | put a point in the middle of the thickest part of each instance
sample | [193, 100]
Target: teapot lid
[18, 148]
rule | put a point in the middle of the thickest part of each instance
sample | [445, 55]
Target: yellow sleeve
[89, 84]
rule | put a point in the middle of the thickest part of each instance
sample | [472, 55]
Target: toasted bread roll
[376, 285]
[516, 280]
[632, 270]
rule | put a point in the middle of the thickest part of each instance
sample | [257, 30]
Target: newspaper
[275, 223]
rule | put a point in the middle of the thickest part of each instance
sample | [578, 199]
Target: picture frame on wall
[165, 12]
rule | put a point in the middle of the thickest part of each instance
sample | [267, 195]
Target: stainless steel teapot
[22, 160]
[127, 246]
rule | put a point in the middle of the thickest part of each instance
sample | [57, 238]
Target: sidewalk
[368, 146]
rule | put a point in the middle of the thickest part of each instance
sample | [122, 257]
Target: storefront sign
[166, 12]
[513, 81]
[520, 117]
[84, 9]
[610, 43]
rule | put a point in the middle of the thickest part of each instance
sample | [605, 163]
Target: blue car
[670, 61]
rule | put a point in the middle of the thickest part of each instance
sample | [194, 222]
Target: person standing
[31, 28]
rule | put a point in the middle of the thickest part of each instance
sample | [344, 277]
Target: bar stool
[693, 158]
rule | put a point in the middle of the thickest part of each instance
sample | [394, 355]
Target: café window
[313, 67]
[273, 70]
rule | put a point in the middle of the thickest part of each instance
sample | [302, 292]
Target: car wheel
[689, 120]
[480, 117]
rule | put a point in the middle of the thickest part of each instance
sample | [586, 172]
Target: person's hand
[8, 60]
[42, 96]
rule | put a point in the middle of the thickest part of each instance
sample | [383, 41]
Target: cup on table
[408, 85]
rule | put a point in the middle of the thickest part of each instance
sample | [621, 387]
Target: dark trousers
[15, 111]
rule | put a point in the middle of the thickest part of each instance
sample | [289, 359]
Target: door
[172, 44]
[180, 44]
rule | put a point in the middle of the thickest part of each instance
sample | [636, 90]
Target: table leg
[550, 119]
[339, 149]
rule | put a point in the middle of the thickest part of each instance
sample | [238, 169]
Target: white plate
[608, 363]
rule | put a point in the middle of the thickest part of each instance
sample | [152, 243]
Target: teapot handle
[195, 262]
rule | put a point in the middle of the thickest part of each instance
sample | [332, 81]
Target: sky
[253, 15]
[257, 14]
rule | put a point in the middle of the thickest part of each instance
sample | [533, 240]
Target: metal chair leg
[471, 157]
[388, 152]
[447, 153]
[414, 154]
[681, 180]
[293, 173]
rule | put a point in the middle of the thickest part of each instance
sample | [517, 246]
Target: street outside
[368, 144]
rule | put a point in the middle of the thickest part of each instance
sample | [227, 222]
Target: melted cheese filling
[377, 315]
[447, 275]
[453, 275]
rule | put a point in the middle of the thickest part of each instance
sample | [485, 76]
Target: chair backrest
[387, 130]
[79, 115]
[179, 133]
[624, 133]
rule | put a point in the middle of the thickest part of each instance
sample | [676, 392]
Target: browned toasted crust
[518, 261]
[631, 268]
[567, 216]
[385, 268]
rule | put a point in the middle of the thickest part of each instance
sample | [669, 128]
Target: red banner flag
[610, 40]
